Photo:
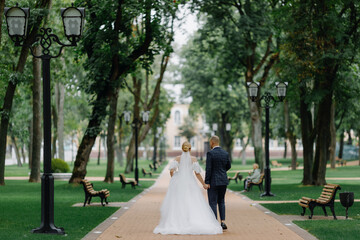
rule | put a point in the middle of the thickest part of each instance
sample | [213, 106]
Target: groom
[216, 180]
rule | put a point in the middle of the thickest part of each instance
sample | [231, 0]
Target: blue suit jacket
[217, 163]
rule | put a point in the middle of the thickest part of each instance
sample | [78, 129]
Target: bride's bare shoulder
[193, 159]
[177, 158]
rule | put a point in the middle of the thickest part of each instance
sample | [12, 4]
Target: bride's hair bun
[186, 146]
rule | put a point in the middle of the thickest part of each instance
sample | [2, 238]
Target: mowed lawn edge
[20, 208]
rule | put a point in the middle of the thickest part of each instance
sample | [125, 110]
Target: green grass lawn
[286, 185]
[93, 170]
[324, 229]
[20, 208]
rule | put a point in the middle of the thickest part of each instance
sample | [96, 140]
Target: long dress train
[184, 209]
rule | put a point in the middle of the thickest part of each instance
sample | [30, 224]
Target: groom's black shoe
[223, 225]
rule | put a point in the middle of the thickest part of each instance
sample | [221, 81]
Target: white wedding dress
[184, 209]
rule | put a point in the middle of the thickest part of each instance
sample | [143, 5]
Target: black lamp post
[17, 22]
[267, 101]
[215, 127]
[136, 124]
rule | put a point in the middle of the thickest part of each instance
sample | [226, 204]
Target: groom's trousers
[216, 196]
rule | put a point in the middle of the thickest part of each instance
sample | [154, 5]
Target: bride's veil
[185, 165]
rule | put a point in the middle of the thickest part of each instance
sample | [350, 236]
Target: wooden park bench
[340, 161]
[146, 173]
[151, 166]
[259, 183]
[297, 165]
[276, 164]
[236, 177]
[326, 199]
[90, 192]
[124, 181]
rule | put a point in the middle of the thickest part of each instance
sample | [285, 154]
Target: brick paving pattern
[244, 220]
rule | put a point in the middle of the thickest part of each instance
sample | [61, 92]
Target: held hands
[206, 186]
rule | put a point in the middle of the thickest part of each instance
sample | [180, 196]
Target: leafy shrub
[59, 166]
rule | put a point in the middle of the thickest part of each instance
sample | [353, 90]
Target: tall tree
[19, 69]
[248, 32]
[219, 94]
[109, 177]
[112, 40]
[322, 38]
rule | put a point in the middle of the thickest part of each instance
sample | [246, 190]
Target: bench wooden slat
[327, 193]
[326, 198]
[90, 192]
[306, 198]
[304, 205]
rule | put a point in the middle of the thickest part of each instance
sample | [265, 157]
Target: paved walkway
[245, 220]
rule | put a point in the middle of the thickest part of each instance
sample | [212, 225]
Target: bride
[184, 209]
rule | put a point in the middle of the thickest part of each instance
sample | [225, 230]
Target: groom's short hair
[215, 139]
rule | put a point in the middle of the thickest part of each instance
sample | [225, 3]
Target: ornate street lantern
[253, 90]
[281, 90]
[215, 127]
[145, 116]
[17, 22]
[73, 21]
[228, 127]
[127, 116]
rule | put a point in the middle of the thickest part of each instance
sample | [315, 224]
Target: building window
[238, 143]
[192, 142]
[177, 117]
[177, 142]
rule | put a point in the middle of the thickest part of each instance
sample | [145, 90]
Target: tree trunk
[119, 148]
[60, 122]
[137, 83]
[92, 131]
[31, 139]
[243, 150]
[130, 155]
[99, 151]
[36, 122]
[225, 137]
[17, 152]
[333, 136]
[293, 153]
[109, 178]
[322, 153]
[2, 5]
[155, 147]
[285, 149]
[23, 155]
[257, 133]
[349, 137]
[341, 147]
[290, 135]
[55, 124]
[307, 137]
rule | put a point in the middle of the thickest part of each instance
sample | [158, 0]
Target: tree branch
[272, 61]
[267, 53]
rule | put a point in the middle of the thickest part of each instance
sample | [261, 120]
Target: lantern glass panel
[72, 19]
[16, 19]
[145, 116]
[253, 90]
[127, 116]
[215, 127]
[281, 89]
[228, 126]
